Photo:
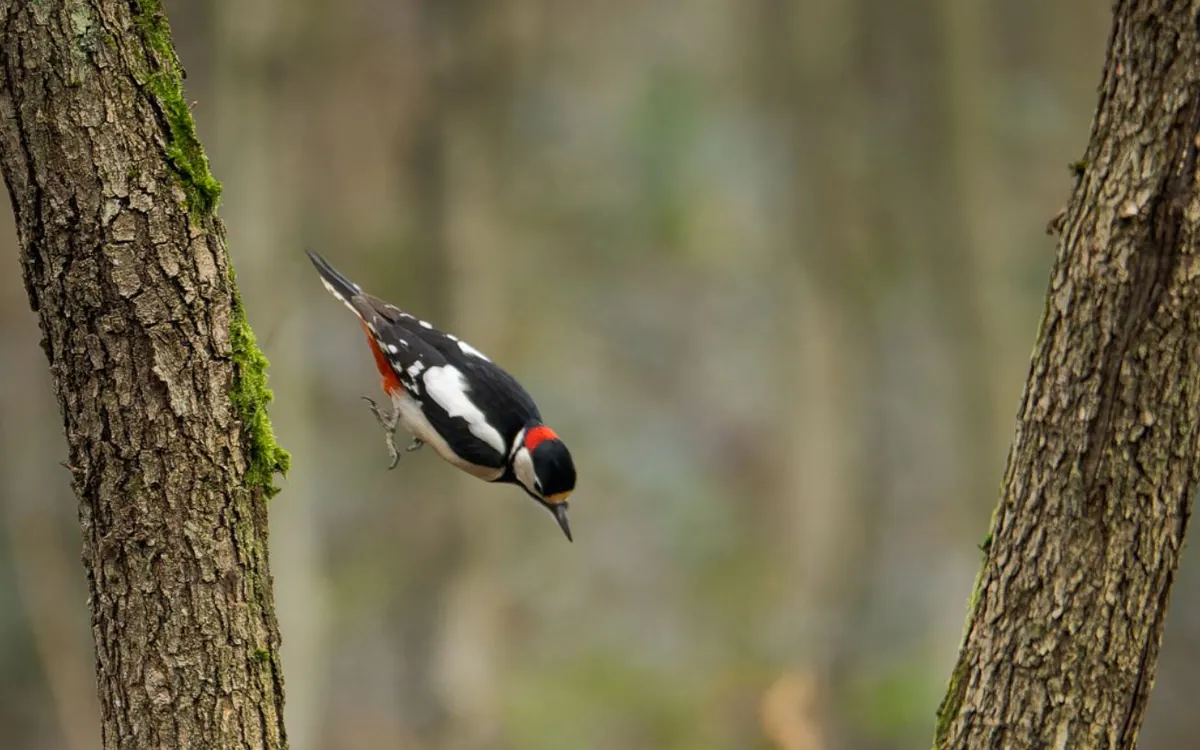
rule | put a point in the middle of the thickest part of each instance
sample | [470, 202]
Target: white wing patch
[446, 385]
[468, 349]
[415, 369]
[414, 420]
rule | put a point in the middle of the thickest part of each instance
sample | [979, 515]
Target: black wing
[497, 392]
[414, 348]
[409, 356]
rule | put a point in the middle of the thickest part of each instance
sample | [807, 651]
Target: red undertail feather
[386, 374]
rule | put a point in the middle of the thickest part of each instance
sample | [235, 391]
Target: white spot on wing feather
[426, 324]
[415, 368]
[333, 290]
[446, 385]
[468, 349]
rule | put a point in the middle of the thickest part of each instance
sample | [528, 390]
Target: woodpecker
[450, 396]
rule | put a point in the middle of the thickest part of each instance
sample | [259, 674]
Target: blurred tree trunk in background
[473, 48]
[161, 386]
[45, 557]
[256, 113]
[833, 503]
[455, 162]
[888, 286]
[1066, 620]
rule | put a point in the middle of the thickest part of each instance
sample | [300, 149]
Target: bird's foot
[416, 445]
[388, 423]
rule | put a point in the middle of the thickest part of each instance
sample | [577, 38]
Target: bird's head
[543, 467]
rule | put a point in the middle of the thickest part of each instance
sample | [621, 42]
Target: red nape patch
[386, 373]
[537, 436]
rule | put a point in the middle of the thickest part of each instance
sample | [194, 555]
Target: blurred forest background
[773, 269]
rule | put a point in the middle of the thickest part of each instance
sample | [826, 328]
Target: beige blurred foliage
[773, 268]
[788, 712]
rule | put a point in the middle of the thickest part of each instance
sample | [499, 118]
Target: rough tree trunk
[1067, 616]
[162, 389]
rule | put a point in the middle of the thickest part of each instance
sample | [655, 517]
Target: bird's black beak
[560, 515]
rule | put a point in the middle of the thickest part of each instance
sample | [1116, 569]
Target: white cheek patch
[446, 385]
[523, 467]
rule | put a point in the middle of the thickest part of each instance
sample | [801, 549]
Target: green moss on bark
[250, 395]
[956, 690]
[164, 82]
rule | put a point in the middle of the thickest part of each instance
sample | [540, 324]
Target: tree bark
[161, 386]
[1065, 623]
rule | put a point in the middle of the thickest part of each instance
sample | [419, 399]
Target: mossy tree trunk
[161, 386]
[1067, 616]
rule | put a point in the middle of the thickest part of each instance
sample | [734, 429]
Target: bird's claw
[389, 422]
[389, 427]
[393, 454]
[416, 445]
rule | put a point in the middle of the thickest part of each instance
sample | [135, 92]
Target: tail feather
[337, 284]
